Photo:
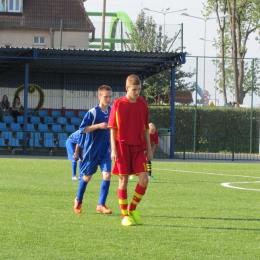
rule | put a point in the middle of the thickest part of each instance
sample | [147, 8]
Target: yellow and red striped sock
[123, 203]
[138, 195]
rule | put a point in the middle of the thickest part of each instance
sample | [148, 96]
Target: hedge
[218, 125]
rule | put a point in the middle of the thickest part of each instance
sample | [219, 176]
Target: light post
[164, 12]
[202, 39]
[205, 30]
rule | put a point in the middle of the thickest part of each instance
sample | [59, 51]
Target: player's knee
[87, 178]
[107, 176]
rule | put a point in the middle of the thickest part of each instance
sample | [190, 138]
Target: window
[39, 40]
[11, 6]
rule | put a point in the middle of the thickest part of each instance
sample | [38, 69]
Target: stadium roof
[121, 63]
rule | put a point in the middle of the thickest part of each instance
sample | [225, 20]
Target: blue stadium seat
[2, 142]
[30, 127]
[62, 136]
[70, 128]
[55, 113]
[14, 142]
[30, 112]
[19, 135]
[62, 143]
[43, 128]
[20, 119]
[62, 120]
[56, 128]
[69, 113]
[3, 127]
[43, 113]
[75, 121]
[34, 143]
[7, 134]
[82, 113]
[8, 119]
[49, 140]
[49, 143]
[48, 136]
[48, 120]
[35, 120]
[15, 127]
[36, 135]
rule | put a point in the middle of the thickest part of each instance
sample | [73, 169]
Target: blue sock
[74, 168]
[80, 162]
[104, 188]
[81, 190]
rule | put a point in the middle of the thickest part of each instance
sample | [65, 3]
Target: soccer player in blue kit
[96, 150]
[74, 151]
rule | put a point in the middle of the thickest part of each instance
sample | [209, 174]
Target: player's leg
[87, 169]
[123, 200]
[151, 177]
[105, 167]
[139, 166]
[74, 169]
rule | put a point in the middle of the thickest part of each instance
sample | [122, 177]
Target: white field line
[224, 184]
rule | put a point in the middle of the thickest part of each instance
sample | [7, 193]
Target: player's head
[152, 128]
[133, 87]
[104, 95]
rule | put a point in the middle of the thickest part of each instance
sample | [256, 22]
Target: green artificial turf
[187, 213]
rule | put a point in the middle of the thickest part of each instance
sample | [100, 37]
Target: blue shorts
[70, 151]
[89, 167]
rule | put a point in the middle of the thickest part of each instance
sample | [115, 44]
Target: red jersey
[154, 138]
[130, 120]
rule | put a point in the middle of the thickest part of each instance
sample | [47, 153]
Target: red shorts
[131, 159]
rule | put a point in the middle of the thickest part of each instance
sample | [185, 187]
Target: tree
[145, 37]
[244, 20]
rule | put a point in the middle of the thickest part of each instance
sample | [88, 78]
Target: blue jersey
[77, 138]
[74, 139]
[97, 142]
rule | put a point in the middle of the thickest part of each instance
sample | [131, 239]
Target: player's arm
[113, 132]
[153, 146]
[149, 154]
[92, 128]
[76, 152]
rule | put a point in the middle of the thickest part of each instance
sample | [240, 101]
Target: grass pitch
[191, 211]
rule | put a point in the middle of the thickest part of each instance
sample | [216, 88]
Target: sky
[193, 29]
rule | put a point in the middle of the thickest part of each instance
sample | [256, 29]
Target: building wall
[24, 38]
[57, 91]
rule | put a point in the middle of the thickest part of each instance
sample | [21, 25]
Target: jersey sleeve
[112, 121]
[87, 121]
[81, 140]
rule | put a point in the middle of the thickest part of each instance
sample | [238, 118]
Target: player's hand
[114, 155]
[75, 155]
[149, 154]
[102, 125]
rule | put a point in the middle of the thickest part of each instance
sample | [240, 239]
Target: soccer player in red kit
[129, 130]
